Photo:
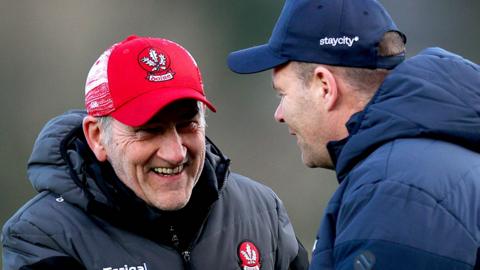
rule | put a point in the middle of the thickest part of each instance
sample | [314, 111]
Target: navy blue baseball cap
[332, 32]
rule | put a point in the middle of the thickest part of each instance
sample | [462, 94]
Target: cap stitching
[340, 30]
[286, 29]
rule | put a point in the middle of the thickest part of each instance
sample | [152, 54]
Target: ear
[326, 85]
[93, 133]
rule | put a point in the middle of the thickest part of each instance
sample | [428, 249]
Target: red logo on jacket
[249, 256]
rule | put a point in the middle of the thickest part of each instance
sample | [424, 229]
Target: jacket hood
[51, 166]
[435, 94]
[61, 162]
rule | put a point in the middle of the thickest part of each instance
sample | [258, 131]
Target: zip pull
[186, 256]
[175, 240]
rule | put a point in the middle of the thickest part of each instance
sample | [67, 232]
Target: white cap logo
[338, 41]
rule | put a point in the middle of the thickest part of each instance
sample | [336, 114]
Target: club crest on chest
[249, 256]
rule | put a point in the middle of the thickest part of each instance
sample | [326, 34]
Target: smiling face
[162, 160]
[302, 108]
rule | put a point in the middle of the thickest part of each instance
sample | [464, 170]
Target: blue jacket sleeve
[389, 225]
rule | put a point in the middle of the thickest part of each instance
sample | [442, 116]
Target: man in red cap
[133, 183]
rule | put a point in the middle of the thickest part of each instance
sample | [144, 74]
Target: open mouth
[168, 171]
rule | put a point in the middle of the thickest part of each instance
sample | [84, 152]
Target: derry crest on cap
[156, 63]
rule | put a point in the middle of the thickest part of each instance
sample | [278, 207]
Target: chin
[172, 205]
[317, 162]
[308, 161]
[310, 164]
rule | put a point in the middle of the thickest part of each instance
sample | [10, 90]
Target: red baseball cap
[135, 78]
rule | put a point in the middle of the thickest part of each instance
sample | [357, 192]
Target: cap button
[131, 37]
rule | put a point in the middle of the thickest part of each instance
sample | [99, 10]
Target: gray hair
[105, 126]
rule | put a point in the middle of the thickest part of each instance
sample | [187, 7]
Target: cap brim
[140, 110]
[253, 60]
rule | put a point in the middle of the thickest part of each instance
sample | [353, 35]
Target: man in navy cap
[402, 135]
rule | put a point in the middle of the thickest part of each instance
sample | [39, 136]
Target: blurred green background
[48, 46]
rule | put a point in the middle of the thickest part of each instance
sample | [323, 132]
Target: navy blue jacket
[409, 173]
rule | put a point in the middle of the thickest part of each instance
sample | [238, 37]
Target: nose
[279, 113]
[171, 148]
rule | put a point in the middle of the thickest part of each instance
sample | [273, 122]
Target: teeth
[168, 171]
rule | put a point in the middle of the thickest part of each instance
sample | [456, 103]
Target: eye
[146, 132]
[188, 126]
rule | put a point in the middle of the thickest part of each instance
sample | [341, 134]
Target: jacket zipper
[185, 254]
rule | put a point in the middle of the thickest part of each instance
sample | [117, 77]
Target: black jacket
[85, 218]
